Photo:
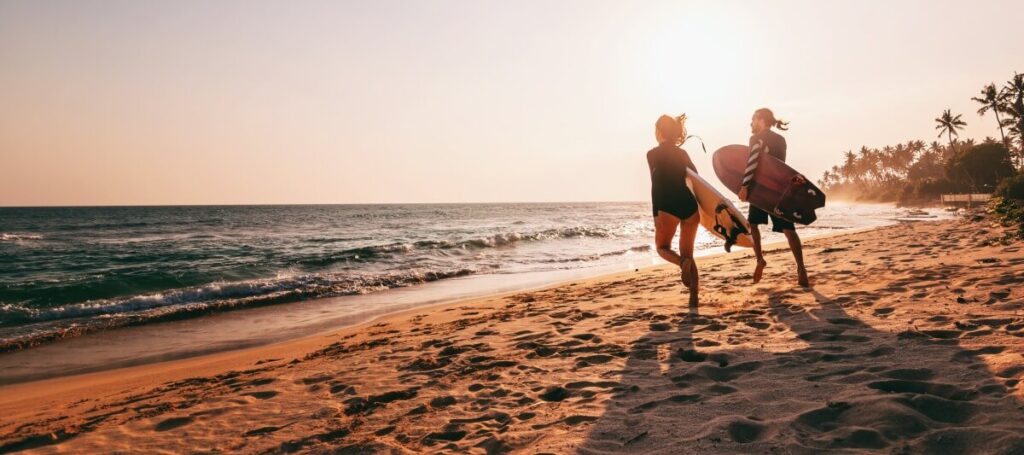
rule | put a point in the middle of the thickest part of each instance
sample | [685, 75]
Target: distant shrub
[1009, 212]
[1011, 187]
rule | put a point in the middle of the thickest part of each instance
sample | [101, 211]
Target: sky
[252, 102]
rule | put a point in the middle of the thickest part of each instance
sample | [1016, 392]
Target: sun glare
[699, 59]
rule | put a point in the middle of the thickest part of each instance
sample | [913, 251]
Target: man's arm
[752, 161]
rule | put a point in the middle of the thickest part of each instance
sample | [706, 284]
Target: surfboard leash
[699, 139]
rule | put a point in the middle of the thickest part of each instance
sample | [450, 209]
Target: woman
[674, 204]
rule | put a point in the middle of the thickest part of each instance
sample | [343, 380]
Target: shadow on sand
[797, 377]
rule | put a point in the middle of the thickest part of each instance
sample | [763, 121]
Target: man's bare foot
[684, 272]
[802, 278]
[759, 270]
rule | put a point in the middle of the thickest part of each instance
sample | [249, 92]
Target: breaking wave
[32, 326]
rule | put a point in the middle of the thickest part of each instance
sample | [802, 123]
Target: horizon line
[309, 204]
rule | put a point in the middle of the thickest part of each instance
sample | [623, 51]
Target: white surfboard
[718, 214]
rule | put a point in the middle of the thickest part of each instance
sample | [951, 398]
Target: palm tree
[871, 165]
[826, 180]
[949, 124]
[887, 162]
[918, 148]
[1015, 107]
[830, 178]
[928, 165]
[864, 163]
[849, 165]
[903, 157]
[941, 151]
[992, 99]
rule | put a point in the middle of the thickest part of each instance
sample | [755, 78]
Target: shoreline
[144, 334]
[305, 341]
[32, 326]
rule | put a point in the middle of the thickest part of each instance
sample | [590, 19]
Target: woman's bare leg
[687, 237]
[664, 229]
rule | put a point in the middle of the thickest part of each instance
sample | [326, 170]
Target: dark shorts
[680, 204]
[758, 216]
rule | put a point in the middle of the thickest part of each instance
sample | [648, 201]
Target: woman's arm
[689, 163]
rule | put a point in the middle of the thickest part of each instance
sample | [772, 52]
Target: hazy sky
[203, 102]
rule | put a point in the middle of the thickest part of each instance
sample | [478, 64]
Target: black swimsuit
[669, 192]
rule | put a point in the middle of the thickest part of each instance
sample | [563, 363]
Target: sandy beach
[911, 340]
[452, 226]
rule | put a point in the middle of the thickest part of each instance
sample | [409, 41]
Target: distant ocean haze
[72, 270]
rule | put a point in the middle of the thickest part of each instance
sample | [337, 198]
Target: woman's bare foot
[759, 270]
[802, 278]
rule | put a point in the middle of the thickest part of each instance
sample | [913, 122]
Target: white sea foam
[11, 237]
[220, 293]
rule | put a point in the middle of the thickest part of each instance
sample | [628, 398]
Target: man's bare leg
[761, 263]
[798, 254]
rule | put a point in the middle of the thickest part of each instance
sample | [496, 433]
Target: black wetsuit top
[769, 141]
[774, 142]
[669, 192]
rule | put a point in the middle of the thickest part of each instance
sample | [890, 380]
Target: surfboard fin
[732, 234]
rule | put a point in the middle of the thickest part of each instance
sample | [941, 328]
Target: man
[767, 142]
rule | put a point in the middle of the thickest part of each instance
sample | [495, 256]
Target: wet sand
[911, 340]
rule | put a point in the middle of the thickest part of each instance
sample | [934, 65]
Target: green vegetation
[981, 167]
[1008, 204]
[916, 174]
[1009, 212]
[1011, 188]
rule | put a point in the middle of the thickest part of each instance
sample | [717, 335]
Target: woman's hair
[766, 114]
[672, 129]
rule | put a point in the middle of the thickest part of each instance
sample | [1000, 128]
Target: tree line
[917, 172]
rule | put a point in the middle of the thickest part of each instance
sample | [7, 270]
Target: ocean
[66, 272]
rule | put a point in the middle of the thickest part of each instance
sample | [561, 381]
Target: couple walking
[675, 206]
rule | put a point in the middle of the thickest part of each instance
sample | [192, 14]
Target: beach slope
[912, 339]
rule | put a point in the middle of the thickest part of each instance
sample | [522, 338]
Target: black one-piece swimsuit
[669, 192]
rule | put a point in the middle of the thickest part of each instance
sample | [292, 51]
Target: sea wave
[12, 237]
[227, 294]
[497, 240]
[596, 256]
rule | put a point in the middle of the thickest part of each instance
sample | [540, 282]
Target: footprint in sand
[947, 391]
[172, 423]
[262, 395]
[745, 431]
[910, 374]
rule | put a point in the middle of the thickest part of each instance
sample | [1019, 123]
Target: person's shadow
[806, 377]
